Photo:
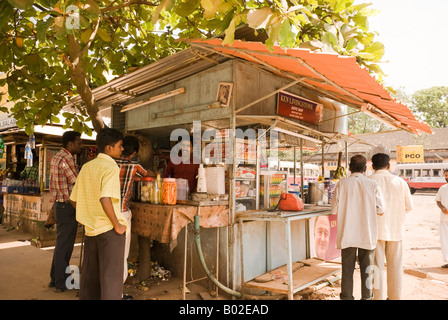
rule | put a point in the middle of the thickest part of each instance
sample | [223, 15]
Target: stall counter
[163, 223]
[289, 286]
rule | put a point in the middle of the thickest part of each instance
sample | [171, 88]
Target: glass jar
[169, 191]
[145, 189]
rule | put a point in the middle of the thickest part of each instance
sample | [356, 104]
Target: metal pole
[302, 194]
[346, 155]
[217, 258]
[323, 160]
[184, 280]
[289, 253]
[295, 164]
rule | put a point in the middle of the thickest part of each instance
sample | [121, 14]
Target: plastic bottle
[32, 141]
[188, 196]
[159, 188]
[157, 193]
[28, 155]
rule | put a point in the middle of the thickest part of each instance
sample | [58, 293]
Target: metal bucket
[317, 193]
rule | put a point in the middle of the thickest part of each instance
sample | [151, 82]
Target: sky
[414, 33]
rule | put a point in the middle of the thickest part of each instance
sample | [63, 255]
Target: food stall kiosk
[242, 237]
[256, 100]
[27, 201]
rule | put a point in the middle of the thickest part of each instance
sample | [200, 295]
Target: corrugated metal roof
[338, 77]
[153, 76]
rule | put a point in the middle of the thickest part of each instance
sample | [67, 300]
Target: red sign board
[299, 108]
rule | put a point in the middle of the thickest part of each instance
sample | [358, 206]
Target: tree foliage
[52, 50]
[432, 106]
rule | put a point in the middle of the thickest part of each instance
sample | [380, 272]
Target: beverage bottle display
[159, 188]
[157, 193]
[28, 155]
[32, 141]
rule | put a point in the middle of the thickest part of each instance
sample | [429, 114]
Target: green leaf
[93, 8]
[330, 38]
[258, 18]
[21, 4]
[286, 37]
[77, 125]
[103, 34]
[41, 29]
[21, 122]
[185, 8]
[68, 115]
[6, 11]
[87, 130]
[55, 119]
[210, 8]
[351, 44]
[230, 32]
[85, 35]
[375, 68]
[376, 49]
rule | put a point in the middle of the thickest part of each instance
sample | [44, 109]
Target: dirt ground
[24, 269]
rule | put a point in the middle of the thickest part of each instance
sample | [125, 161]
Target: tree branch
[92, 37]
[79, 77]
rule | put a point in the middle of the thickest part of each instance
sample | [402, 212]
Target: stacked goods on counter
[245, 172]
[275, 189]
[246, 151]
[169, 191]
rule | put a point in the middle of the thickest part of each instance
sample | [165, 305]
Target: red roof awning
[338, 77]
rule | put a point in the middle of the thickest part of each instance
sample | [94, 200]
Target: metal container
[317, 193]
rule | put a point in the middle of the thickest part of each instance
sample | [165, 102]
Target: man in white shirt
[357, 200]
[442, 203]
[398, 201]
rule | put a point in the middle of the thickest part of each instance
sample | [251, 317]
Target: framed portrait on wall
[224, 93]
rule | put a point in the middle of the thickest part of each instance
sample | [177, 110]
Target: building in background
[435, 148]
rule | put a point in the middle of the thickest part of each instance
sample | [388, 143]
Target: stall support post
[346, 155]
[217, 259]
[289, 262]
[184, 278]
[295, 164]
[302, 194]
[231, 270]
[144, 245]
[323, 160]
[240, 227]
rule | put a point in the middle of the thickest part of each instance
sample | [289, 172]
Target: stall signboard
[410, 154]
[299, 108]
[7, 122]
[23, 206]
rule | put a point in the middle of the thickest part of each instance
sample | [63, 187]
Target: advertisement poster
[323, 238]
[299, 108]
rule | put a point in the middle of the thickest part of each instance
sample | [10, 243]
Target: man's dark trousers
[103, 267]
[67, 227]
[366, 268]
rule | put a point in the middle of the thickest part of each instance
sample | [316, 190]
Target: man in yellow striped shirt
[96, 195]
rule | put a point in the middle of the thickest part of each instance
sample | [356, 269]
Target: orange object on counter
[169, 191]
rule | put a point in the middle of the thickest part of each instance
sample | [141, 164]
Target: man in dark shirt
[63, 174]
[187, 168]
